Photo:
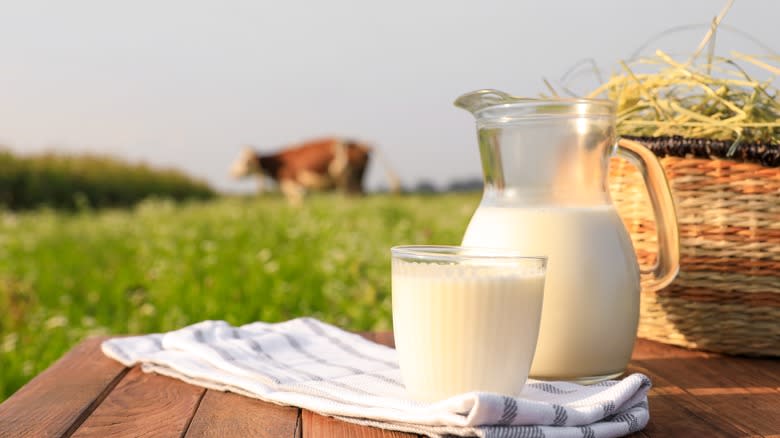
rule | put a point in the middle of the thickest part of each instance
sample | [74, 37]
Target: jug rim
[485, 99]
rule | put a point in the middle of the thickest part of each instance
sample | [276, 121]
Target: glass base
[586, 380]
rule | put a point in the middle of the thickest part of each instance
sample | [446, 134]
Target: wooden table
[85, 394]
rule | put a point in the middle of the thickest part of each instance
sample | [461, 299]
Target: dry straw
[691, 101]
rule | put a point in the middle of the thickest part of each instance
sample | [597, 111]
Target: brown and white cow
[322, 164]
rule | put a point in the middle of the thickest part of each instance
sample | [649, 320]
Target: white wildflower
[147, 309]
[98, 331]
[55, 322]
[9, 343]
[264, 255]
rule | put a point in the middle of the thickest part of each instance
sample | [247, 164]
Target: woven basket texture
[726, 297]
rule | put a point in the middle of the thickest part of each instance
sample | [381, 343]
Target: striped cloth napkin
[316, 366]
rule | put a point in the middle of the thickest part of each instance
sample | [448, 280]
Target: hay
[716, 99]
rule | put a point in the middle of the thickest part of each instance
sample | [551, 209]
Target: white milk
[591, 302]
[460, 329]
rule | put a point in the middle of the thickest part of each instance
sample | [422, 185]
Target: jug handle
[668, 261]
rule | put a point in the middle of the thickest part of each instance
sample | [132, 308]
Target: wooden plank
[384, 338]
[224, 414]
[739, 396]
[742, 396]
[316, 426]
[670, 416]
[647, 349]
[721, 372]
[766, 371]
[144, 404]
[673, 412]
[58, 400]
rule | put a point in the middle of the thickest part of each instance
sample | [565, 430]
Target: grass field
[159, 266]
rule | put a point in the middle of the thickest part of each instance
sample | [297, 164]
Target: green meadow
[161, 265]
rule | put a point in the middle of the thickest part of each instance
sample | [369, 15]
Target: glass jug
[545, 170]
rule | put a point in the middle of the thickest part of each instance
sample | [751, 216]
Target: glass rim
[553, 108]
[457, 253]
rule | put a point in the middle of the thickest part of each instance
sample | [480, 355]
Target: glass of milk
[465, 319]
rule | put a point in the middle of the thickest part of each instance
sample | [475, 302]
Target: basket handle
[668, 263]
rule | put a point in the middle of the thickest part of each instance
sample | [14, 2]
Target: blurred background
[162, 96]
[187, 83]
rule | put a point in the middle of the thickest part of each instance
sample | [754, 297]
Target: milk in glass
[461, 328]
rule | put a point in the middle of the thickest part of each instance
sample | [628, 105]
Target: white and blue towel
[319, 367]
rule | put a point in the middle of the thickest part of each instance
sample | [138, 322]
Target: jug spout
[477, 100]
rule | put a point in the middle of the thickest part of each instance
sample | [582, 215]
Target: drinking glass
[465, 319]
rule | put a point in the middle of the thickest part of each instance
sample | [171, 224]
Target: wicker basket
[726, 297]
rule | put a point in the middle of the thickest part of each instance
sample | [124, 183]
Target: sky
[188, 83]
